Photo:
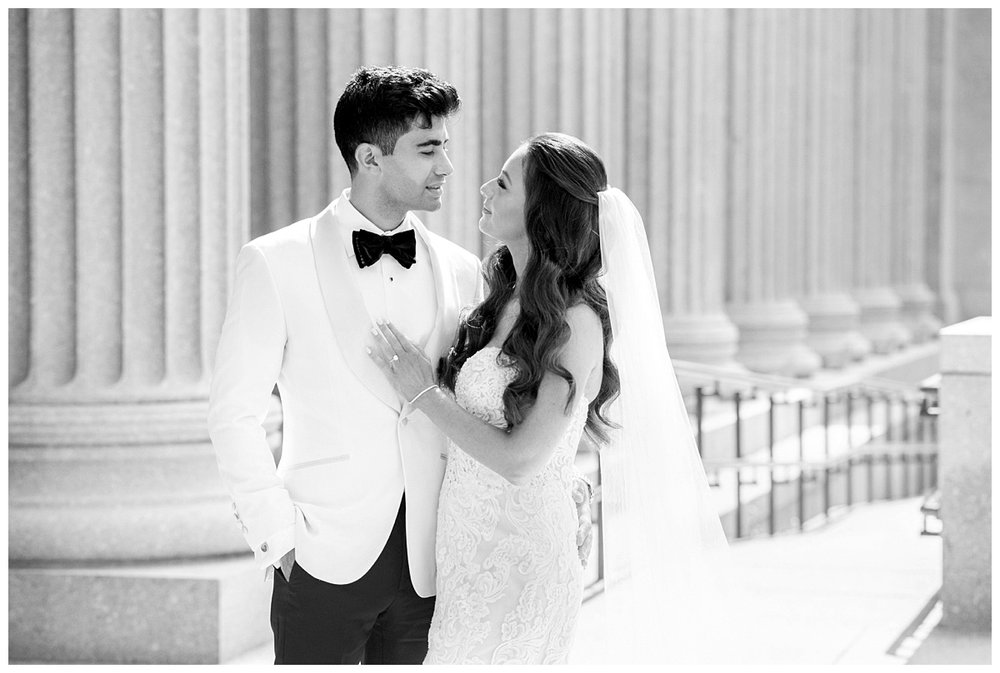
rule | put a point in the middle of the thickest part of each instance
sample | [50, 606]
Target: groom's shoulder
[453, 251]
[286, 239]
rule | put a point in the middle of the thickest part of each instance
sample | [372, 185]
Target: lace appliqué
[509, 582]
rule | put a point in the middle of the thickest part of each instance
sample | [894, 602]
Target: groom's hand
[286, 563]
[585, 527]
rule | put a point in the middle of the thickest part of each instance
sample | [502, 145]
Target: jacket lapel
[345, 308]
[444, 289]
[446, 294]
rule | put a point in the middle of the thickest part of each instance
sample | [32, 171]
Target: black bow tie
[369, 247]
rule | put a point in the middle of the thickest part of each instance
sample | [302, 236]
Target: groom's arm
[247, 365]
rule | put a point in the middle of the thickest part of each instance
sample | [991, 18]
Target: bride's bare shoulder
[586, 331]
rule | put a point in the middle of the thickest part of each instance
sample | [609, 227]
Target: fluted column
[964, 255]
[459, 61]
[132, 225]
[828, 91]
[880, 305]
[18, 236]
[129, 222]
[772, 325]
[909, 222]
[343, 58]
[682, 182]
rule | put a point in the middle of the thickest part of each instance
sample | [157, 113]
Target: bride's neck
[519, 254]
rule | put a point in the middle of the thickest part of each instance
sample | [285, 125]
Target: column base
[203, 612]
[973, 302]
[917, 305]
[709, 338]
[833, 329]
[773, 338]
[880, 319]
[107, 483]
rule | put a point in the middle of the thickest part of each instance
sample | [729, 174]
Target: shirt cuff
[269, 551]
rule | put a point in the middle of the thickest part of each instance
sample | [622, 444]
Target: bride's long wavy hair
[562, 177]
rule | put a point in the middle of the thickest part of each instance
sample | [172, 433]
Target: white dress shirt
[405, 297]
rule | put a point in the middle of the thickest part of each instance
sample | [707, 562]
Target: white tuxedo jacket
[350, 445]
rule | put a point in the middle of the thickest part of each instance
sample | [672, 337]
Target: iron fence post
[871, 435]
[849, 406]
[770, 469]
[739, 477]
[802, 471]
[826, 457]
[888, 416]
[699, 396]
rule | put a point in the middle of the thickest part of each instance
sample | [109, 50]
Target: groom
[348, 517]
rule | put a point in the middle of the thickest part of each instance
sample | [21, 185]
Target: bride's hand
[403, 363]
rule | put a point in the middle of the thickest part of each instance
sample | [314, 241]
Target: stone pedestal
[762, 327]
[964, 469]
[707, 338]
[183, 612]
[880, 319]
[833, 328]
[917, 304]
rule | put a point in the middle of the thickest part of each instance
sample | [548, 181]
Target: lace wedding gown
[509, 581]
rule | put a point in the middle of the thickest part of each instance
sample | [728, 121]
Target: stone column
[460, 60]
[909, 200]
[343, 58]
[772, 326]
[964, 468]
[313, 112]
[682, 183]
[966, 222]
[612, 75]
[135, 208]
[833, 314]
[880, 305]
[937, 243]
[494, 114]
[573, 72]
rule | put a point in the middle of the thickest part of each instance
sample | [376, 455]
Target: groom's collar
[351, 219]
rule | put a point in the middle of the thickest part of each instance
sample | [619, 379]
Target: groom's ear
[369, 158]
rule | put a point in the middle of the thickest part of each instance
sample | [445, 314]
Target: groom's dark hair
[380, 104]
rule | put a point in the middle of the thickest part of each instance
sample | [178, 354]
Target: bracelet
[421, 393]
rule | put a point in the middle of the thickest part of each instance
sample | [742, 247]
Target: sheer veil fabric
[666, 556]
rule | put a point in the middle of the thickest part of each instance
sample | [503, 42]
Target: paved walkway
[843, 593]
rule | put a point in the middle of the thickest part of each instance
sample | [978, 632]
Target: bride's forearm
[507, 454]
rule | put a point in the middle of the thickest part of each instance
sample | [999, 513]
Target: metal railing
[867, 441]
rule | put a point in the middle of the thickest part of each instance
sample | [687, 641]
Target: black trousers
[378, 619]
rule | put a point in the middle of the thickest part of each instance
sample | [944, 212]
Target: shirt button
[263, 547]
[405, 421]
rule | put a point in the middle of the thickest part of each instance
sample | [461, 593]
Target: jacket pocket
[319, 461]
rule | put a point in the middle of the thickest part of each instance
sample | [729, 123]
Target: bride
[543, 360]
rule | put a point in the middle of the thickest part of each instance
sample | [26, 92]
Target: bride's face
[503, 201]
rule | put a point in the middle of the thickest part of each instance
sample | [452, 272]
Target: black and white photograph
[452, 336]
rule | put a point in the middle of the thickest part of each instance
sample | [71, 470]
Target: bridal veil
[665, 552]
